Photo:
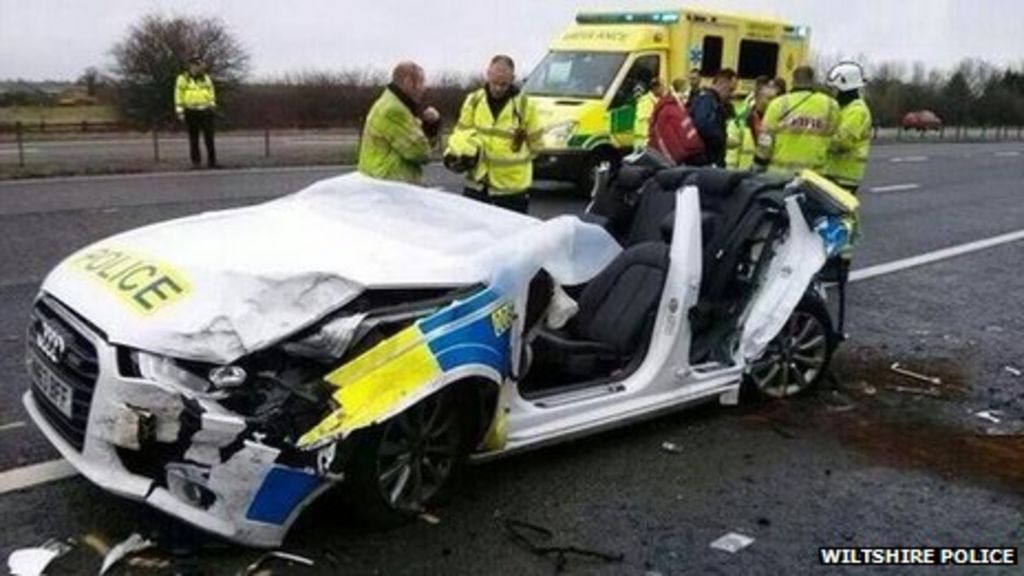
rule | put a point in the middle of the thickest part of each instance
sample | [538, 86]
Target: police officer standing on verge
[400, 131]
[848, 153]
[194, 104]
[797, 128]
[493, 143]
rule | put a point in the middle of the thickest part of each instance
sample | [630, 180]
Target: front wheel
[401, 466]
[797, 358]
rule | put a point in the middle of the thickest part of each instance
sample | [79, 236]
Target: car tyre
[401, 467]
[797, 359]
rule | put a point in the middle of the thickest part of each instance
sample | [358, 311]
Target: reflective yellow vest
[393, 146]
[848, 155]
[501, 169]
[193, 93]
[642, 124]
[797, 131]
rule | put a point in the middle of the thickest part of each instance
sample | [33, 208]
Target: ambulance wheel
[798, 357]
[402, 466]
[588, 173]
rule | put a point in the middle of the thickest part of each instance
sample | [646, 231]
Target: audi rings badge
[50, 342]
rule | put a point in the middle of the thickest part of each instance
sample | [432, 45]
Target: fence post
[1018, 132]
[958, 128]
[983, 130]
[156, 146]
[21, 144]
[942, 132]
[266, 142]
[899, 133]
[874, 131]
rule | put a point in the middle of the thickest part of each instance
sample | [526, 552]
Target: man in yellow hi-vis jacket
[848, 154]
[498, 132]
[797, 128]
[194, 103]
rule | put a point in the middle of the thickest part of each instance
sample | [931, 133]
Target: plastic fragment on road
[672, 447]
[915, 375]
[1013, 371]
[930, 391]
[254, 568]
[535, 538]
[732, 542]
[130, 545]
[990, 415]
[33, 561]
[430, 519]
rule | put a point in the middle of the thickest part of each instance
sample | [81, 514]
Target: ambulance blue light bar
[628, 18]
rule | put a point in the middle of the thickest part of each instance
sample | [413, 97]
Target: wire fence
[41, 149]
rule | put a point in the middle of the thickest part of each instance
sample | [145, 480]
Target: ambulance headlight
[558, 135]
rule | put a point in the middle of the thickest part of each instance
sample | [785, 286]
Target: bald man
[400, 131]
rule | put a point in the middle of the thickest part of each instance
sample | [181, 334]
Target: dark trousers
[516, 202]
[200, 121]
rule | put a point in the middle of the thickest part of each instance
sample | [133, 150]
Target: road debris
[254, 568]
[527, 535]
[127, 547]
[930, 391]
[33, 561]
[732, 542]
[836, 401]
[671, 447]
[915, 375]
[1013, 371]
[990, 415]
[430, 519]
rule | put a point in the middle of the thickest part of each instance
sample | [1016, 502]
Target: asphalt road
[896, 469]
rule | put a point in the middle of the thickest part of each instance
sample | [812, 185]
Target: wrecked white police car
[228, 368]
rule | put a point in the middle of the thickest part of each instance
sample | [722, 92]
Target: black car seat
[616, 313]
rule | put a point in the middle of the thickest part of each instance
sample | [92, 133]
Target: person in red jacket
[673, 135]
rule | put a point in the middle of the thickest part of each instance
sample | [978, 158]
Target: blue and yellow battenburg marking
[471, 332]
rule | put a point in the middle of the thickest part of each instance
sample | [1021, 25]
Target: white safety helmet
[846, 76]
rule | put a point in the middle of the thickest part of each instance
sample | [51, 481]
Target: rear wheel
[403, 465]
[798, 357]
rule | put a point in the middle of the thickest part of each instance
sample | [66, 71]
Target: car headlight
[558, 135]
[170, 371]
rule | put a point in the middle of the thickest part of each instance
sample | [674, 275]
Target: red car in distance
[922, 121]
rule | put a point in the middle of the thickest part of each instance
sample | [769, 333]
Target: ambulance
[585, 87]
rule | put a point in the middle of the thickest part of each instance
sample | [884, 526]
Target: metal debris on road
[836, 401]
[990, 415]
[671, 447]
[732, 542]
[930, 391]
[525, 534]
[915, 375]
[130, 545]
[253, 568]
[1013, 371]
[33, 561]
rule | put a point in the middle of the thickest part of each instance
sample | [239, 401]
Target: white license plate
[58, 393]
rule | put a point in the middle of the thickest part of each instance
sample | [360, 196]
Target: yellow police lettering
[142, 284]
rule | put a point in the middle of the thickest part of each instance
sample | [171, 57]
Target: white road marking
[895, 188]
[934, 256]
[14, 151]
[36, 474]
[12, 426]
[908, 159]
[1008, 154]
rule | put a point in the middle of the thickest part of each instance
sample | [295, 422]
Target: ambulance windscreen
[575, 74]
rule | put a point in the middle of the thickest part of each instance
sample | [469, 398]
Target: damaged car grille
[63, 366]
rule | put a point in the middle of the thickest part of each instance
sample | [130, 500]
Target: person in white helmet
[849, 148]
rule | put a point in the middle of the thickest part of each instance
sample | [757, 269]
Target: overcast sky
[59, 38]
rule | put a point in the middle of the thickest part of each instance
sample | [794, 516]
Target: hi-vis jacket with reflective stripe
[850, 146]
[739, 138]
[797, 131]
[193, 93]
[501, 168]
[642, 125]
[393, 146]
